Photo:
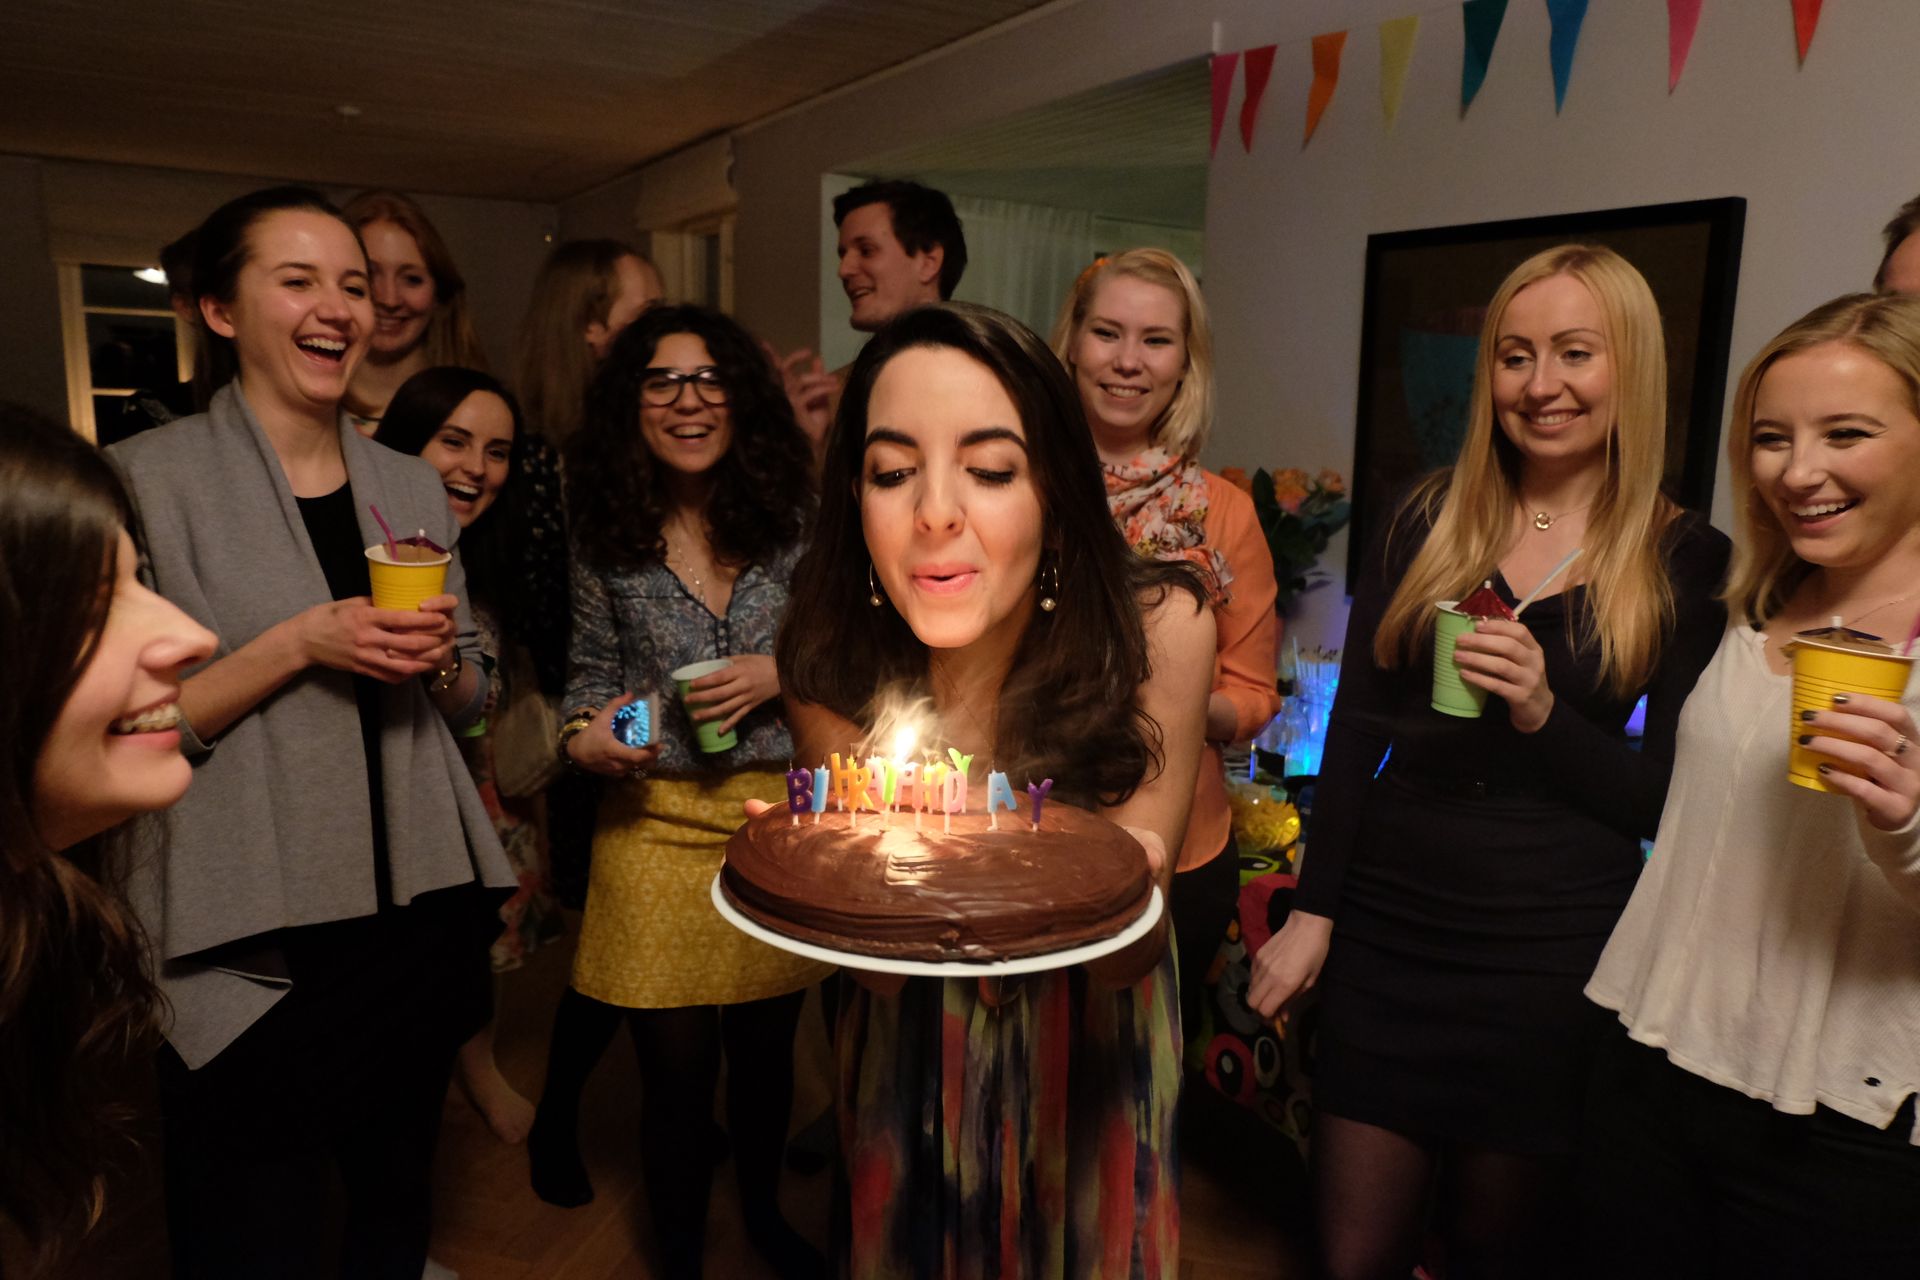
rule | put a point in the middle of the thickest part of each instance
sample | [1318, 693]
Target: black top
[1580, 757]
[334, 529]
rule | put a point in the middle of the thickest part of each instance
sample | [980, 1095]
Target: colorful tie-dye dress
[1028, 1137]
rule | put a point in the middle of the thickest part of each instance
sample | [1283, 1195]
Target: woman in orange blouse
[1134, 335]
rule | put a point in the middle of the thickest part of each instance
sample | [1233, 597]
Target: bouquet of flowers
[1298, 513]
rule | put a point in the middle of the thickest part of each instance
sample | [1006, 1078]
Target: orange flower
[1288, 495]
[1291, 478]
[1238, 478]
[1330, 481]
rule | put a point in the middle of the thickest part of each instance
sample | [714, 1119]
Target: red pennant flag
[1806, 16]
[1253, 88]
[1223, 65]
[1326, 74]
[1682, 17]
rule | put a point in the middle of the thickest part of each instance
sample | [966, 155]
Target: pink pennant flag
[1806, 16]
[1326, 75]
[1223, 65]
[1253, 88]
[1682, 17]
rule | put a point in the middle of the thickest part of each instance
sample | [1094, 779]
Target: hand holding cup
[1501, 656]
[1872, 757]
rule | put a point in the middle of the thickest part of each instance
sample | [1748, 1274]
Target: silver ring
[1900, 747]
[637, 773]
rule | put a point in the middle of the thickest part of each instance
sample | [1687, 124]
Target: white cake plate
[941, 968]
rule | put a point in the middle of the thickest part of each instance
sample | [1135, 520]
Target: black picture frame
[1426, 296]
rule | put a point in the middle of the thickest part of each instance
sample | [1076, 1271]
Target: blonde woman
[1134, 335]
[419, 303]
[1756, 1117]
[587, 292]
[1469, 886]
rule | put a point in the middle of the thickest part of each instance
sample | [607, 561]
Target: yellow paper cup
[1821, 670]
[403, 585]
[1452, 695]
[706, 731]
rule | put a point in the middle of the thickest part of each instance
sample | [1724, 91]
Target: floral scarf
[1159, 500]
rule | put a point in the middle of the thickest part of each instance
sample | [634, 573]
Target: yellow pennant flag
[1396, 55]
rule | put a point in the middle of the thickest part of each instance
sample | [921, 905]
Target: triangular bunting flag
[1223, 65]
[1806, 16]
[1482, 19]
[1682, 17]
[1253, 87]
[1396, 55]
[1566, 16]
[1326, 74]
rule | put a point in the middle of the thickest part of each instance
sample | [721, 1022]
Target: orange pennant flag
[1258, 64]
[1326, 74]
[1806, 16]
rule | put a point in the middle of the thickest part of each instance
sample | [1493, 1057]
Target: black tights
[680, 1054]
[1499, 1214]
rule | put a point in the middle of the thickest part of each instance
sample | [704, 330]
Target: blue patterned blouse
[632, 628]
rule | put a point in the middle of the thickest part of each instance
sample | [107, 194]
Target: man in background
[1900, 265]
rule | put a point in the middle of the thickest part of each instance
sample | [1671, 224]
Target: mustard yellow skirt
[651, 938]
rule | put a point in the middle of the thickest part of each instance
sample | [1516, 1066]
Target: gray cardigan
[277, 828]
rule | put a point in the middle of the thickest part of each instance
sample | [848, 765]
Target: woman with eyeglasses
[691, 489]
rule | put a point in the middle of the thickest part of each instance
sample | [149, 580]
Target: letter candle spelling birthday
[1037, 792]
[999, 796]
[858, 794]
[818, 799]
[842, 779]
[799, 793]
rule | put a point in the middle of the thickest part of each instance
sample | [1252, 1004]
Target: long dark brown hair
[617, 492]
[1068, 709]
[76, 996]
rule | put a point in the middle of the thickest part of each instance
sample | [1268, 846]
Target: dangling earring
[1050, 589]
[873, 587]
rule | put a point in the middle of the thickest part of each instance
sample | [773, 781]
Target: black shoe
[555, 1169]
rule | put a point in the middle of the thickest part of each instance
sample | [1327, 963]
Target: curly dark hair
[1069, 707]
[77, 1000]
[617, 491]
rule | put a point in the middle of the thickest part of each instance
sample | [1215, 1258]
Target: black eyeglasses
[661, 387]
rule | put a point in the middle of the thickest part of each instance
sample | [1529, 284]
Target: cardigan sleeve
[1248, 628]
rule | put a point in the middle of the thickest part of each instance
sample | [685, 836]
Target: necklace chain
[698, 583]
[1544, 520]
[1884, 604]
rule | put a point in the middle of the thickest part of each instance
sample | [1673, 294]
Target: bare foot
[506, 1112]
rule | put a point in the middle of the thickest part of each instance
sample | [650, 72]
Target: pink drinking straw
[1912, 635]
[391, 549]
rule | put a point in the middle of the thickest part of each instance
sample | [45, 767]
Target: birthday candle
[931, 778]
[877, 780]
[860, 789]
[819, 799]
[960, 766]
[842, 777]
[999, 796]
[1037, 792]
[799, 793]
[907, 781]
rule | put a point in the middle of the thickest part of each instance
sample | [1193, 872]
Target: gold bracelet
[444, 678]
[567, 733]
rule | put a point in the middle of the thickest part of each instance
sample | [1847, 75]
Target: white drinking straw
[1547, 581]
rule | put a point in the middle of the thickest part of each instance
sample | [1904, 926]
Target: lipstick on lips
[944, 579]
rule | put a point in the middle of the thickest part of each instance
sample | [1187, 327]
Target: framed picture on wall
[1426, 299]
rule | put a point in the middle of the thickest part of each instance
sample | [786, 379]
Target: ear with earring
[1050, 587]
[874, 597]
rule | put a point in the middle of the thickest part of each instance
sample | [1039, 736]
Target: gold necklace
[1543, 520]
[1884, 604]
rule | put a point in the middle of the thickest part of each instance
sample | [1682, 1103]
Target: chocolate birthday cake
[872, 884]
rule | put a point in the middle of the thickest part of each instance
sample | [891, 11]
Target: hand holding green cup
[1451, 695]
[706, 732]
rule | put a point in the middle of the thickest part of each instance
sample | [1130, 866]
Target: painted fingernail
[1825, 769]
[1808, 715]
[1804, 739]
[1840, 699]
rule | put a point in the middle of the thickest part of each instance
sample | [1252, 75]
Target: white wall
[1823, 154]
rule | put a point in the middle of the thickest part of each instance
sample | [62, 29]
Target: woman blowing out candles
[87, 733]
[1756, 1116]
[964, 554]
[317, 917]
[1469, 887]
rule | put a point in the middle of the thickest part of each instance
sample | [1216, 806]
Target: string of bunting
[1481, 21]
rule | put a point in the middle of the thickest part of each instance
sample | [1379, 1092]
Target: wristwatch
[443, 679]
[581, 719]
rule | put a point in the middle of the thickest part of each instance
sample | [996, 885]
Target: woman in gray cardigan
[317, 915]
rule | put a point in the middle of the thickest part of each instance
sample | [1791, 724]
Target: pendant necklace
[1543, 520]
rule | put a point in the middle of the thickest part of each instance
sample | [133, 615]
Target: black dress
[1474, 879]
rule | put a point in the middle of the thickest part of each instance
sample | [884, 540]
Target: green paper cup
[404, 577]
[706, 731]
[1452, 695]
[1820, 670]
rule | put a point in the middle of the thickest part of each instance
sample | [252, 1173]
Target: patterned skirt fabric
[1028, 1137]
[651, 938]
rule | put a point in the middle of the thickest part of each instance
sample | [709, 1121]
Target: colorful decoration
[1326, 75]
[1482, 19]
[1396, 55]
[1037, 793]
[1566, 17]
[1683, 16]
[999, 796]
[799, 793]
[1298, 514]
[1223, 65]
[1806, 16]
[1253, 87]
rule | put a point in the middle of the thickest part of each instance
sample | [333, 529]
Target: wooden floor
[1241, 1202]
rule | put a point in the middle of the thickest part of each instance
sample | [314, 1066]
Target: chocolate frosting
[977, 894]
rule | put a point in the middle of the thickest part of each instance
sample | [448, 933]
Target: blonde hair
[576, 287]
[1886, 326]
[1471, 508]
[450, 338]
[1183, 428]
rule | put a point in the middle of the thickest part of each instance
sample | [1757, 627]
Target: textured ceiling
[1135, 149]
[524, 99]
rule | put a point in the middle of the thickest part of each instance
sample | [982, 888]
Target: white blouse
[1772, 944]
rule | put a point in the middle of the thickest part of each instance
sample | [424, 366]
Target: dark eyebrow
[981, 435]
[887, 435]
